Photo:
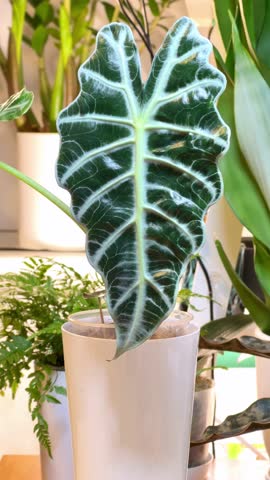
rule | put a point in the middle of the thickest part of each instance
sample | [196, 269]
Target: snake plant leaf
[237, 177]
[255, 417]
[16, 105]
[140, 163]
[252, 107]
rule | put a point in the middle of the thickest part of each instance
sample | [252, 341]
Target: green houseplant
[65, 31]
[139, 162]
[34, 304]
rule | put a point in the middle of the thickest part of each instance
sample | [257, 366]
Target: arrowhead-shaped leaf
[140, 163]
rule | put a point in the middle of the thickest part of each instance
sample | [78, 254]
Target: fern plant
[34, 304]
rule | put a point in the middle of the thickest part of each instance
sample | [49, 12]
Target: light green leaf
[18, 15]
[16, 105]
[252, 107]
[139, 161]
[60, 390]
[39, 39]
[258, 310]
[222, 8]
[65, 35]
[240, 187]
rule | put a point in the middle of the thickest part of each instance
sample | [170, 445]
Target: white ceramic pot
[42, 226]
[60, 467]
[131, 417]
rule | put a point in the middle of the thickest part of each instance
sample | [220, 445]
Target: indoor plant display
[245, 105]
[139, 162]
[34, 304]
[66, 32]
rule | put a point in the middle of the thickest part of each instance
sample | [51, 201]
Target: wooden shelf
[20, 467]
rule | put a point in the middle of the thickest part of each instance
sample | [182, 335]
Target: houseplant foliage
[245, 105]
[70, 26]
[34, 304]
[139, 162]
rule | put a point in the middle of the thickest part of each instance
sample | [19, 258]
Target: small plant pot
[203, 415]
[42, 226]
[201, 472]
[60, 467]
[131, 417]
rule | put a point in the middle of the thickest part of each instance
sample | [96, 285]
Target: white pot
[201, 472]
[130, 418]
[203, 416]
[60, 467]
[41, 224]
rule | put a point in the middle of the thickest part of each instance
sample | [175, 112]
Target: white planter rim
[190, 330]
[87, 318]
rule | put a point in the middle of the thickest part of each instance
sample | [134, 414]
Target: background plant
[34, 304]
[70, 27]
[245, 105]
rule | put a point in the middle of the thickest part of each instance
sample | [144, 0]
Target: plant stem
[100, 310]
[3, 63]
[40, 189]
[57, 93]
[87, 38]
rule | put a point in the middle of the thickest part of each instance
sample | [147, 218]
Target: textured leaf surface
[16, 105]
[140, 163]
[255, 417]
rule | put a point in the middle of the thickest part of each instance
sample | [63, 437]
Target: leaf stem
[40, 189]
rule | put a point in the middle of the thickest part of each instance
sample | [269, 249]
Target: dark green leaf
[262, 267]
[258, 310]
[151, 205]
[255, 417]
[60, 390]
[52, 399]
[153, 5]
[263, 39]
[225, 328]
[45, 12]
[109, 9]
[16, 105]
[65, 35]
[249, 206]
[225, 27]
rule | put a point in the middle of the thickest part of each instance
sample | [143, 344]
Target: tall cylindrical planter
[42, 226]
[200, 458]
[60, 467]
[263, 387]
[131, 417]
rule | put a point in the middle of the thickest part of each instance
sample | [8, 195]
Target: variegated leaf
[140, 163]
[255, 417]
[16, 105]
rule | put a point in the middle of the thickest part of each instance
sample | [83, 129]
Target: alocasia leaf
[140, 163]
